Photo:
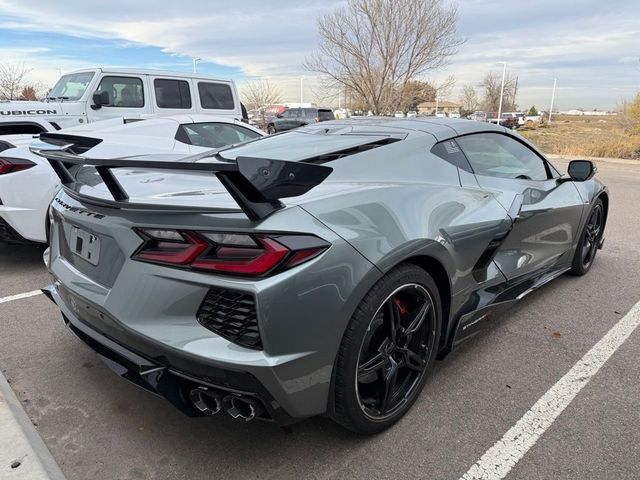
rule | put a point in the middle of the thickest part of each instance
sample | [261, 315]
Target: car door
[295, 118]
[171, 96]
[126, 97]
[547, 212]
[282, 121]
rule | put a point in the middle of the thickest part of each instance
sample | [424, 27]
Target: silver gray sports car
[319, 271]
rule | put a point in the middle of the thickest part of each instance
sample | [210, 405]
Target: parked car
[454, 114]
[441, 115]
[28, 183]
[518, 115]
[92, 95]
[399, 114]
[298, 117]
[506, 120]
[294, 280]
[478, 116]
[412, 114]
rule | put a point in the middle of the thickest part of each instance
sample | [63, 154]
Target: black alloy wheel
[590, 240]
[592, 236]
[387, 351]
[395, 351]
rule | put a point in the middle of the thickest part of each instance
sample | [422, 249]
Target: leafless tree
[491, 85]
[376, 47]
[259, 95]
[12, 80]
[29, 92]
[469, 99]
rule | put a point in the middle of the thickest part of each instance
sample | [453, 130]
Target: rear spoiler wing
[256, 184]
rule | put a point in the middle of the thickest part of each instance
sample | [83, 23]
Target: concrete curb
[20, 442]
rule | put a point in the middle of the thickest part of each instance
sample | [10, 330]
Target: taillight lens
[228, 253]
[10, 165]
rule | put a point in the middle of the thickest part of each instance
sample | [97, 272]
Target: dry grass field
[589, 136]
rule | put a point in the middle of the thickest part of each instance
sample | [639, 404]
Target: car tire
[589, 241]
[271, 129]
[360, 399]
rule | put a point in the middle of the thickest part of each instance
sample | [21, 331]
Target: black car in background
[298, 117]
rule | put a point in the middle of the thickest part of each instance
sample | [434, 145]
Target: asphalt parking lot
[97, 426]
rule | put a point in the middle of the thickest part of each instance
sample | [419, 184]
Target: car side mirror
[279, 115]
[100, 99]
[581, 170]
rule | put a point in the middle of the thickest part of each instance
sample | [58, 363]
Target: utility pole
[553, 96]
[301, 90]
[515, 92]
[504, 71]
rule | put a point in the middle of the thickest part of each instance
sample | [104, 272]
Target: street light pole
[553, 96]
[504, 71]
[301, 90]
[195, 60]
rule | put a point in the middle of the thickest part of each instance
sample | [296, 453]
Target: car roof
[161, 125]
[141, 71]
[441, 128]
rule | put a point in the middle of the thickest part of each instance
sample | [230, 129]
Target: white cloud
[588, 45]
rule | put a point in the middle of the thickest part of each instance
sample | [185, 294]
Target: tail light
[10, 165]
[227, 253]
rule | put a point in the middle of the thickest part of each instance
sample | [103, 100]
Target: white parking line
[20, 295]
[498, 461]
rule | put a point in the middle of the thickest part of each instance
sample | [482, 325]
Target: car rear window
[324, 115]
[217, 96]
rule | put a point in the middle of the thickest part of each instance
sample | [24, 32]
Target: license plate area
[85, 245]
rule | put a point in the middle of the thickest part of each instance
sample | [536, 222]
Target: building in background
[444, 106]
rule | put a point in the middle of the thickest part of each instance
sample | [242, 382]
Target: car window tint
[450, 152]
[497, 155]
[216, 135]
[215, 96]
[123, 91]
[172, 93]
[324, 115]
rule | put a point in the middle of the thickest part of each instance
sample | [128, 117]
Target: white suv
[87, 96]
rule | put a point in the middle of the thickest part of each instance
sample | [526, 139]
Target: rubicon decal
[29, 112]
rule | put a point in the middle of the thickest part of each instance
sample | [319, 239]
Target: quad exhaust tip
[242, 407]
[206, 401]
[212, 402]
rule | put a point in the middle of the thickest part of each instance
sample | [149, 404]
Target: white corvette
[28, 184]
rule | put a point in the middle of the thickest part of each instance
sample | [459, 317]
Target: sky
[591, 47]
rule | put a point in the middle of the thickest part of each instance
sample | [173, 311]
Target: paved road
[98, 426]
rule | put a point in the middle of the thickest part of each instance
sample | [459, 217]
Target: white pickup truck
[91, 95]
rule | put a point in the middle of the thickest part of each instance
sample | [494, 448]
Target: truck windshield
[71, 87]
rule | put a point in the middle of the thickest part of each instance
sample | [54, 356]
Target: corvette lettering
[29, 112]
[81, 211]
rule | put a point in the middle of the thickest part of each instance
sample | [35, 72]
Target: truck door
[171, 96]
[126, 98]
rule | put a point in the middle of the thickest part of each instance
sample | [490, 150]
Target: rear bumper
[160, 376]
[9, 235]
